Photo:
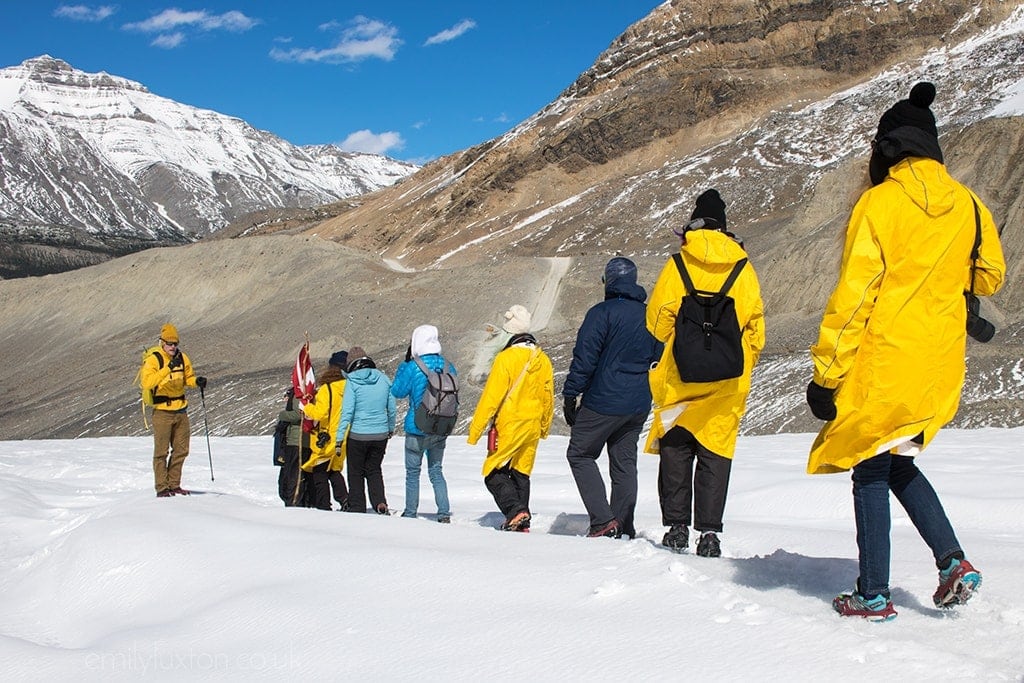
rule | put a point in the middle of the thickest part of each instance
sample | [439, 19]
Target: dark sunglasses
[167, 343]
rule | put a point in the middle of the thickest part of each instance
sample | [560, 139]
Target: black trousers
[292, 482]
[591, 433]
[511, 490]
[364, 472]
[679, 485]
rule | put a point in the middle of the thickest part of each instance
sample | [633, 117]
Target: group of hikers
[889, 366]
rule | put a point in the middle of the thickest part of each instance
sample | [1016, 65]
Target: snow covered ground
[102, 581]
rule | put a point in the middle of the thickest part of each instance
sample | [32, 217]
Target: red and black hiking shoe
[610, 529]
[178, 491]
[878, 608]
[164, 494]
[517, 522]
[957, 584]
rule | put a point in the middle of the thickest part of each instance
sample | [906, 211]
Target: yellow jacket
[168, 385]
[710, 411]
[525, 416]
[325, 409]
[892, 339]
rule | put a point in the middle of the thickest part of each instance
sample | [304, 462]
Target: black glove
[177, 360]
[570, 410]
[821, 401]
[201, 382]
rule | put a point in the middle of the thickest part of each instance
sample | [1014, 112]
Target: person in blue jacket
[367, 422]
[610, 360]
[410, 382]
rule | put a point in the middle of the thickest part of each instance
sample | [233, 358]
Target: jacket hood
[620, 281]
[365, 376]
[424, 340]
[712, 246]
[927, 183]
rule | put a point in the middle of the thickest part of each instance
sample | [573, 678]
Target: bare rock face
[773, 103]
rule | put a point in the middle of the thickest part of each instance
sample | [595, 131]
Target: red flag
[304, 382]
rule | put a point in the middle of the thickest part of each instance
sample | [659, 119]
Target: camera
[979, 328]
[322, 438]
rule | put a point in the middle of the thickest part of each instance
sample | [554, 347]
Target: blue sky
[412, 80]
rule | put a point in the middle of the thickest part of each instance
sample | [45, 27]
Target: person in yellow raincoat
[889, 361]
[166, 372]
[699, 421]
[519, 398]
[327, 458]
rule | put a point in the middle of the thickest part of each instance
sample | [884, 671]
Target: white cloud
[173, 18]
[361, 39]
[372, 143]
[451, 33]
[168, 41]
[84, 12]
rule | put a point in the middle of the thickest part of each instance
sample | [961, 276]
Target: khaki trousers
[170, 431]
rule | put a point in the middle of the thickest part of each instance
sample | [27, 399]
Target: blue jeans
[415, 448]
[872, 480]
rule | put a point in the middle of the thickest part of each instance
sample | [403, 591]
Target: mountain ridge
[94, 154]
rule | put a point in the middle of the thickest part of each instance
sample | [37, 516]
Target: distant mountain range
[93, 165]
[773, 104]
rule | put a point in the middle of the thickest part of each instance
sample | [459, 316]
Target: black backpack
[708, 344]
[438, 409]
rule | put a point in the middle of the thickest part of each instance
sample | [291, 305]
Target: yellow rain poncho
[710, 411]
[525, 416]
[892, 339]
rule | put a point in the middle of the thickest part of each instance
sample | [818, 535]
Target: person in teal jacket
[367, 422]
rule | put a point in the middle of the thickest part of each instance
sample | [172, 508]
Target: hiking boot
[164, 494]
[178, 491]
[957, 584]
[517, 522]
[382, 508]
[878, 608]
[677, 539]
[444, 519]
[610, 529]
[709, 545]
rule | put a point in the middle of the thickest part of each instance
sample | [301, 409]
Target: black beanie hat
[913, 111]
[339, 359]
[710, 205]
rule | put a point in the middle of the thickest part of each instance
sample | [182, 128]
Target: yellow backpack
[146, 395]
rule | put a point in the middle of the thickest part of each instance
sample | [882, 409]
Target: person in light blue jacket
[411, 382]
[367, 422]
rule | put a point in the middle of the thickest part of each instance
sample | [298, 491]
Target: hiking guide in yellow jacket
[166, 372]
[519, 399]
[889, 361]
[699, 421]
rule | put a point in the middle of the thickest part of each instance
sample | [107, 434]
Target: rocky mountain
[772, 103]
[93, 165]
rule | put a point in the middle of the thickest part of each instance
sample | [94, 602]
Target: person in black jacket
[609, 367]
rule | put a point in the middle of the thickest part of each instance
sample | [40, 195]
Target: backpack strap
[422, 366]
[683, 273]
[159, 360]
[733, 275]
[688, 283]
[426, 371]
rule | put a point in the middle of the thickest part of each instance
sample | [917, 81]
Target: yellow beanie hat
[169, 333]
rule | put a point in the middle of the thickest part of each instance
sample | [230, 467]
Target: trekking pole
[202, 399]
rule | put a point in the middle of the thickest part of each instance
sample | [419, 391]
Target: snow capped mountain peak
[103, 155]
